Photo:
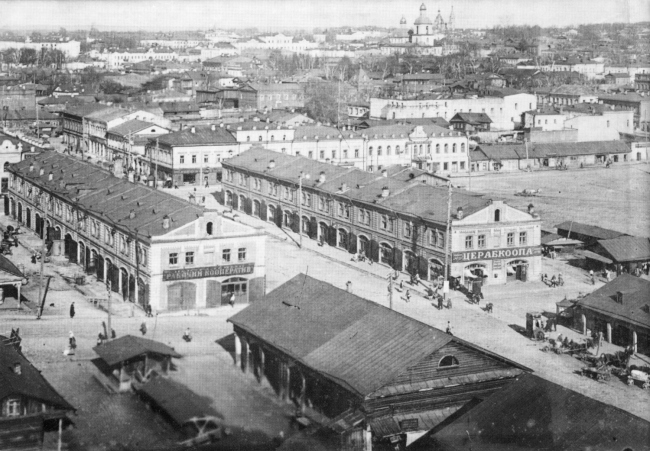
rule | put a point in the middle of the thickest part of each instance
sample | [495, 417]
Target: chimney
[166, 222]
[619, 297]
[132, 214]
[31, 167]
[50, 176]
[271, 164]
[18, 369]
[41, 172]
[213, 127]
[531, 209]
[459, 213]
[384, 173]
[344, 187]
[321, 177]
[221, 125]
[193, 129]
[385, 192]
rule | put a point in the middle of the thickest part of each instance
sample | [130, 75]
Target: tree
[28, 57]
[111, 87]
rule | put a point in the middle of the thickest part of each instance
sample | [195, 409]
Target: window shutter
[263, 211]
[397, 259]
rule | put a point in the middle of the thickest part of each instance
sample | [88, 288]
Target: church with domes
[426, 31]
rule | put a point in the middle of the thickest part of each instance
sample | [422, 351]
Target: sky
[273, 15]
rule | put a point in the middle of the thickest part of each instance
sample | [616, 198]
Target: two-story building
[73, 124]
[397, 218]
[127, 141]
[151, 248]
[11, 151]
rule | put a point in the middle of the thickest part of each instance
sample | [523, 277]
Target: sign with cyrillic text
[209, 271]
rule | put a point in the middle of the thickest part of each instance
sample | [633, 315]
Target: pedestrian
[143, 328]
[72, 312]
[593, 279]
[600, 338]
[100, 338]
[448, 330]
[187, 336]
[348, 286]
[553, 282]
[440, 301]
[147, 310]
[408, 295]
[113, 334]
[231, 301]
[449, 303]
[207, 185]
[401, 284]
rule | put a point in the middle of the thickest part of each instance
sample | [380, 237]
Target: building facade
[396, 217]
[150, 247]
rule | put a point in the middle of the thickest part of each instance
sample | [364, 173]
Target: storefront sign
[210, 271]
[496, 254]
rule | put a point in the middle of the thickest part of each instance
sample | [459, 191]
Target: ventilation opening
[448, 361]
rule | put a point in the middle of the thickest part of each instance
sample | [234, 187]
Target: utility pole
[447, 245]
[43, 252]
[300, 177]
[390, 290]
[109, 332]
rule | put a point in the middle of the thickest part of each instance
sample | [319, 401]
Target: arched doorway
[342, 239]
[517, 270]
[99, 265]
[113, 275]
[363, 245]
[212, 294]
[20, 212]
[143, 292]
[70, 248]
[181, 296]
[131, 288]
[386, 254]
[322, 232]
[436, 269]
[236, 285]
[124, 279]
[474, 274]
[410, 261]
[82, 255]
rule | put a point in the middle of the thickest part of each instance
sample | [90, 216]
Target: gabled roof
[30, 383]
[356, 343]
[128, 347]
[542, 150]
[534, 414]
[501, 152]
[627, 248]
[132, 126]
[8, 270]
[106, 115]
[588, 230]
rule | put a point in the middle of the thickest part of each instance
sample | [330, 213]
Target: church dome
[402, 21]
[423, 19]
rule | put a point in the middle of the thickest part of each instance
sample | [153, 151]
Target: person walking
[448, 330]
[408, 295]
[231, 301]
[553, 282]
[440, 301]
[187, 336]
[72, 312]
[143, 328]
[348, 286]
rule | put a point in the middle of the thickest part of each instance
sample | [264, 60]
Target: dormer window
[448, 361]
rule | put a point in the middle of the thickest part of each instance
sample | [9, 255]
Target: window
[370, 150]
[321, 203]
[241, 254]
[225, 255]
[397, 150]
[356, 153]
[388, 150]
[440, 239]
[311, 154]
[206, 159]
[453, 148]
[433, 237]
[516, 106]
[445, 166]
[469, 242]
[407, 229]
[497, 215]
[322, 154]
[193, 159]
[182, 159]
[462, 148]
[123, 244]
[511, 239]
[272, 137]
[258, 184]
[387, 223]
[173, 259]
[446, 148]
[248, 138]
[333, 154]
[259, 138]
[523, 238]
[462, 165]
[607, 124]
[437, 148]
[379, 151]
[13, 407]
[345, 153]
[364, 217]
[448, 361]
[208, 228]
[189, 258]
[481, 241]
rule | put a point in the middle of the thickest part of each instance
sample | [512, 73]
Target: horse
[619, 359]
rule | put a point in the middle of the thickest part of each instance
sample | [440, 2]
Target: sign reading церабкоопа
[496, 254]
[209, 271]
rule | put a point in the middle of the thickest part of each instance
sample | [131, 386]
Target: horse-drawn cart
[639, 376]
[600, 373]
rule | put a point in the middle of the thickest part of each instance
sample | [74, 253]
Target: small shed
[127, 359]
[11, 279]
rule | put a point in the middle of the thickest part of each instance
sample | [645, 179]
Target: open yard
[616, 198]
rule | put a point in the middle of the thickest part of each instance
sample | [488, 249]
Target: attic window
[448, 361]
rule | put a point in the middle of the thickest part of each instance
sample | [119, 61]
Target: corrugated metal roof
[627, 248]
[199, 137]
[128, 347]
[595, 256]
[426, 420]
[131, 126]
[542, 150]
[535, 414]
[636, 300]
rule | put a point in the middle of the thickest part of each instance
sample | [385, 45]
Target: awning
[594, 256]
[468, 274]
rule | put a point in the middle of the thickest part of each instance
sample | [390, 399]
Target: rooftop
[627, 248]
[588, 230]
[128, 347]
[198, 136]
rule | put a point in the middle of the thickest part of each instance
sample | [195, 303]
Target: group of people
[361, 257]
[553, 282]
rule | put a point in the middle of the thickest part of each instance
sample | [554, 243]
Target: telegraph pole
[300, 177]
[109, 332]
[43, 252]
[445, 289]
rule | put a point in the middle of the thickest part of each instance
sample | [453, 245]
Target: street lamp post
[43, 205]
[300, 177]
